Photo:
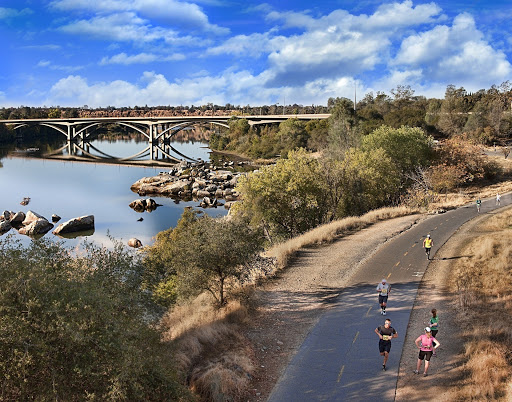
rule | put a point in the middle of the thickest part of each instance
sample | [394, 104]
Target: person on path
[427, 245]
[498, 199]
[385, 332]
[425, 343]
[478, 204]
[383, 288]
[434, 326]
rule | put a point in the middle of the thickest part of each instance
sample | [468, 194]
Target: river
[71, 189]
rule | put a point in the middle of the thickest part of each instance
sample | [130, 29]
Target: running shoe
[416, 372]
[384, 312]
[384, 368]
[425, 374]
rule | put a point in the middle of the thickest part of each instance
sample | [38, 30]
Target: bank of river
[71, 189]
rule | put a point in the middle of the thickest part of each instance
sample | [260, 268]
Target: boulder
[142, 205]
[134, 242]
[36, 227]
[176, 187]
[32, 216]
[17, 219]
[5, 226]
[80, 224]
[56, 218]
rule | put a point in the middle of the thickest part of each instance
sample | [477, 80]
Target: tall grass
[483, 283]
[333, 230]
[210, 350]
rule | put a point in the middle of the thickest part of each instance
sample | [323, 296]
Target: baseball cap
[428, 235]
[384, 280]
[427, 329]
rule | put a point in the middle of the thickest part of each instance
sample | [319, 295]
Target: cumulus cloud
[456, 54]
[169, 12]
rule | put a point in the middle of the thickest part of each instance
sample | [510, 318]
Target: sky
[126, 53]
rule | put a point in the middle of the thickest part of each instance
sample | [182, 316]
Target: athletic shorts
[383, 299]
[434, 332]
[425, 354]
[384, 346]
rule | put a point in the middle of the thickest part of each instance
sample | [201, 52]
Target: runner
[426, 344]
[434, 327]
[498, 199]
[383, 288]
[427, 245]
[478, 204]
[385, 332]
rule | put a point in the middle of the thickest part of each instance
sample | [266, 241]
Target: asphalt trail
[339, 360]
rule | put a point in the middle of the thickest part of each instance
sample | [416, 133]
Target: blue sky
[170, 52]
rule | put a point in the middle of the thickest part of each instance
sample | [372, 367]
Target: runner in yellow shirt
[427, 245]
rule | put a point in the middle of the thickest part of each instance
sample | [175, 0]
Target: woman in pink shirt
[425, 343]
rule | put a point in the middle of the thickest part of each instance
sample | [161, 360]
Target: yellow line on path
[397, 264]
[406, 253]
[368, 312]
[414, 245]
[341, 373]
[355, 337]
[389, 275]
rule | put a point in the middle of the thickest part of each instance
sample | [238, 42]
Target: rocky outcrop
[30, 217]
[142, 205]
[135, 243]
[39, 226]
[192, 181]
[81, 224]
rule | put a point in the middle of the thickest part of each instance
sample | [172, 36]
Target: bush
[78, 328]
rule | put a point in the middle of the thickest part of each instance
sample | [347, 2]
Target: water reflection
[69, 188]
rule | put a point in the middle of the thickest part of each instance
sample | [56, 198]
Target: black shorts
[383, 299]
[425, 354]
[384, 346]
[434, 332]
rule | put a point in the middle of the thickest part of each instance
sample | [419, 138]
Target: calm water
[73, 189]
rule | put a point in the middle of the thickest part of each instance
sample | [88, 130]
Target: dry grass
[333, 230]
[483, 283]
[210, 350]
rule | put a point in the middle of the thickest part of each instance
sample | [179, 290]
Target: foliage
[77, 328]
[200, 254]
[292, 135]
[370, 180]
[288, 198]
[343, 130]
[407, 147]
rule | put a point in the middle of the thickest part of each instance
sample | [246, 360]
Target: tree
[407, 147]
[78, 328]
[292, 135]
[343, 129]
[202, 254]
[289, 198]
[54, 113]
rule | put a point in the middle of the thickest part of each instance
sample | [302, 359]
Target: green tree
[289, 198]
[370, 180]
[203, 254]
[407, 147]
[78, 328]
[54, 113]
[292, 135]
[343, 128]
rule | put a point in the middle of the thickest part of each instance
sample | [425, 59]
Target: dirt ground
[290, 304]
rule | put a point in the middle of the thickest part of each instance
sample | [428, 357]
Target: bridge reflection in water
[152, 154]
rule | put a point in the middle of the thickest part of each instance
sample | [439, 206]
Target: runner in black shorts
[385, 332]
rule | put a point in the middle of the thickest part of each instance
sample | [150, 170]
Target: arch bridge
[158, 130]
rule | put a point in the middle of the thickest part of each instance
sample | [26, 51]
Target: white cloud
[52, 66]
[455, 54]
[170, 12]
[253, 45]
[8, 13]
[141, 58]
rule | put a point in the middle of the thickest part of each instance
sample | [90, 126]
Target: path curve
[338, 359]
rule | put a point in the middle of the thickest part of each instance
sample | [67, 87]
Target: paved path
[339, 359]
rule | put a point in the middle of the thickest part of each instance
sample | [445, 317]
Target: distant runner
[384, 289]
[427, 245]
[478, 204]
[498, 199]
[385, 332]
